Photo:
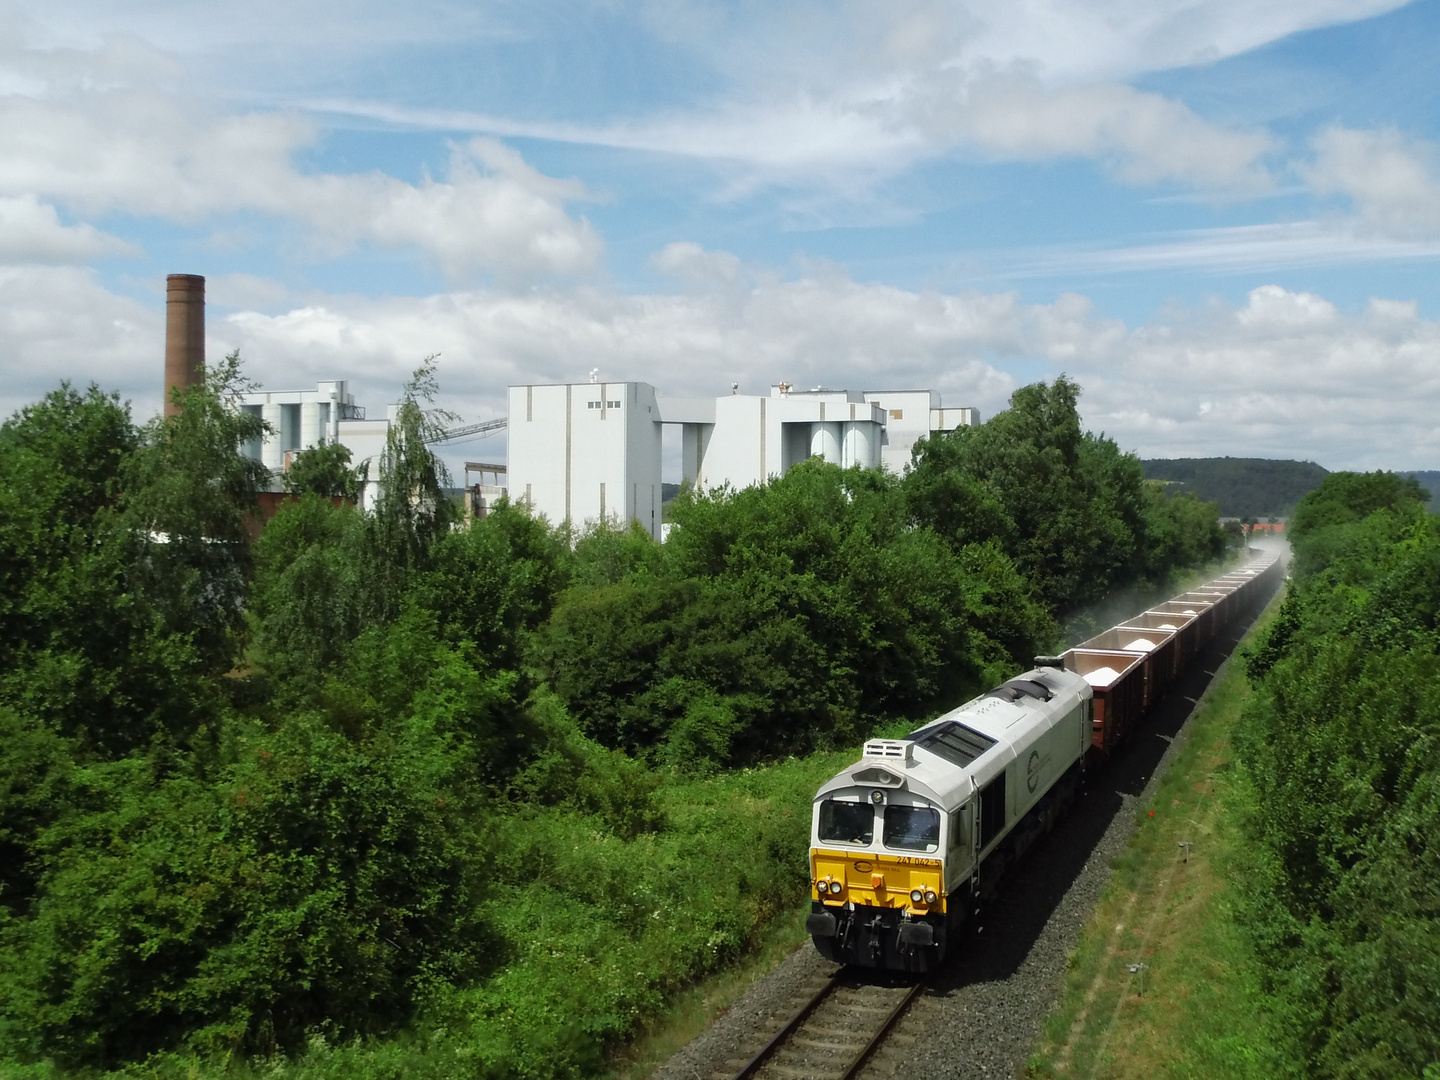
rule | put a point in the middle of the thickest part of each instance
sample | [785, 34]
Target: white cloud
[31, 232]
[1233, 248]
[846, 141]
[1271, 307]
[1145, 137]
[1393, 181]
[1285, 374]
[122, 148]
[59, 322]
[1117, 39]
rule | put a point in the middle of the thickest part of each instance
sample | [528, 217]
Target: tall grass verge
[1164, 983]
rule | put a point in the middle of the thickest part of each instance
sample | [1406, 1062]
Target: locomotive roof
[968, 745]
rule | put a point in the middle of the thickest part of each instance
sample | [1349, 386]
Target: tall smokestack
[184, 334]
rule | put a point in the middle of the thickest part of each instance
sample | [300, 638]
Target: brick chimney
[184, 334]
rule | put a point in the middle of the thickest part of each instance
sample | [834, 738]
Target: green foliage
[1180, 530]
[1065, 505]
[123, 566]
[189, 494]
[773, 620]
[412, 511]
[1243, 487]
[1429, 479]
[312, 594]
[1342, 744]
[324, 470]
[378, 780]
[302, 882]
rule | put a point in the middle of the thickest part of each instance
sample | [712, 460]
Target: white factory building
[583, 452]
[300, 419]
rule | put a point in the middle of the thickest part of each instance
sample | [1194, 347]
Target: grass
[697, 1007]
[1163, 983]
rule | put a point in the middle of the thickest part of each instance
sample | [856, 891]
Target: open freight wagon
[1130, 665]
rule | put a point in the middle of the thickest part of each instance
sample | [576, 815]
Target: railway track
[835, 1033]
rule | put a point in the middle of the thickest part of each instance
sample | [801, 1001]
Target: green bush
[1342, 746]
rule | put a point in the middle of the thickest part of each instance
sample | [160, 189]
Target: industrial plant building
[583, 452]
[301, 419]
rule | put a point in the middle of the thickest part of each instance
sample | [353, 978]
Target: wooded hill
[1244, 487]
[1430, 481]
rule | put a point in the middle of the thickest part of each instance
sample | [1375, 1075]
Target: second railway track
[835, 1033]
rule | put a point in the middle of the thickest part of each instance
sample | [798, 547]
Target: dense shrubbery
[1342, 744]
[381, 773]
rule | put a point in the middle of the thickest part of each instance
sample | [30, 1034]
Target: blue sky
[1224, 221]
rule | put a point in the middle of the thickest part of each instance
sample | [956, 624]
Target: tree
[412, 511]
[1065, 505]
[324, 470]
[190, 492]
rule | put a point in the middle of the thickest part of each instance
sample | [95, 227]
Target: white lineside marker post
[1185, 846]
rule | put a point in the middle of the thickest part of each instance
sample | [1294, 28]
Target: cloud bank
[1285, 374]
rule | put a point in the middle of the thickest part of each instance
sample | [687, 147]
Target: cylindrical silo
[825, 442]
[861, 445]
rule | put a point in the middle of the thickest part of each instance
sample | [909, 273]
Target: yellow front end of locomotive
[870, 879]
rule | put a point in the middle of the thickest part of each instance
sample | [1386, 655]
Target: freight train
[906, 842]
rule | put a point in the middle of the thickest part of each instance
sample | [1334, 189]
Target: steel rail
[791, 1026]
[879, 1036]
[796, 1022]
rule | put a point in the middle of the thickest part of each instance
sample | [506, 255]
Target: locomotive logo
[1033, 768]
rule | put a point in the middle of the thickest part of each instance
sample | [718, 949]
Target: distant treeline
[1341, 744]
[1243, 487]
[388, 794]
[1429, 479]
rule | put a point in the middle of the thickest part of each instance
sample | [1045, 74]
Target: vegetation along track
[836, 1032]
[982, 1014]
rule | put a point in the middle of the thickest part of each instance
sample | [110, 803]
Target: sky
[1221, 219]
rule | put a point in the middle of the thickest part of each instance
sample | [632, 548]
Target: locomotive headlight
[916, 896]
[835, 888]
[930, 896]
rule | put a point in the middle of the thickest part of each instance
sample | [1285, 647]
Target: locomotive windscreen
[847, 822]
[912, 828]
[956, 743]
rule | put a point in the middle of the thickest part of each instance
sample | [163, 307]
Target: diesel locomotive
[907, 840]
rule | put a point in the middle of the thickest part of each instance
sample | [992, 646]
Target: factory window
[290, 427]
[912, 828]
[846, 822]
[897, 414]
[251, 449]
[614, 404]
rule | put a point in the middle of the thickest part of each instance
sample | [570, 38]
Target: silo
[862, 447]
[825, 442]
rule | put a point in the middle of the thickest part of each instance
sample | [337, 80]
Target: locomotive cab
[899, 838]
[879, 895]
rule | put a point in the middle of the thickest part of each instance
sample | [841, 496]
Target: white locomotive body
[904, 840]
